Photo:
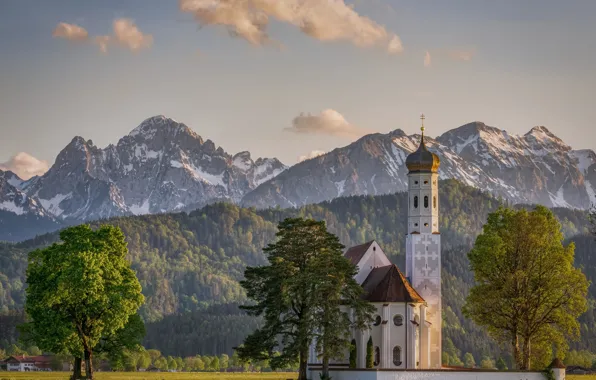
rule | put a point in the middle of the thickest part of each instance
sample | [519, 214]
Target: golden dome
[422, 160]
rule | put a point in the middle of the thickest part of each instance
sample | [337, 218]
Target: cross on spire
[422, 117]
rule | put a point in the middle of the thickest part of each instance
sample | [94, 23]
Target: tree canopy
[527, 292]
[304, 295]
[80, 291]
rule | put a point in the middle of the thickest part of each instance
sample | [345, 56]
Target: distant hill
[190, 263]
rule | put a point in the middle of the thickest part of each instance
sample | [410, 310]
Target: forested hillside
[189, 263]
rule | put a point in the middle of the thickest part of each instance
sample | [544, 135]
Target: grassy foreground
[179, 375]
[151, 376]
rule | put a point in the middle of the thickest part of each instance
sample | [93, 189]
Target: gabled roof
[388, 284]
[29, 359]
[356, 253]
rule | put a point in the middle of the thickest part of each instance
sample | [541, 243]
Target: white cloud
[325, 20]
[427, 59]
[125, 34]
[328, 122]
[25, 165]
[70, 32]
[313, 154]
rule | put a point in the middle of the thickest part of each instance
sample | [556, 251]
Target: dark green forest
[189, 265]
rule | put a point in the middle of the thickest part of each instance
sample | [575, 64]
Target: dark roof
[388, 284]
[557, 363]
[422, 160]
[355, 253]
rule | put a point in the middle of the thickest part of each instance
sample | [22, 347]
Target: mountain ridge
[164, 166]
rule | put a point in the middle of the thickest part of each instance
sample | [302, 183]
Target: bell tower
[423, 243]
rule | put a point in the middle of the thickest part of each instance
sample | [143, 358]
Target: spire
[422, 160]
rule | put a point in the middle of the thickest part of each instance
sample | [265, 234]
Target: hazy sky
[511, 64]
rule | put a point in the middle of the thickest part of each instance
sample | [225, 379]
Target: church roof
[356, 253]
[388, 284]
[423, 160]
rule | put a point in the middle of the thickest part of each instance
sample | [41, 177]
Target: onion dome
[423, 160]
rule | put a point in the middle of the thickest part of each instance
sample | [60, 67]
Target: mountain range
[164, 166]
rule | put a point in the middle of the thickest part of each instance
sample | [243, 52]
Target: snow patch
[242, 163]
[212, 179]
[140, 209]
[585, 158]
[340, 187]
[52, 205]
[11, 207]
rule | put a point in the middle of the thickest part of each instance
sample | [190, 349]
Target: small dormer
[366, 257]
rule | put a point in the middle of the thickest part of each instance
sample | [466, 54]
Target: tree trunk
[76, 372]
[527, 352]
[88, 364]
[517, 358]
[325, 366]
[302, 369]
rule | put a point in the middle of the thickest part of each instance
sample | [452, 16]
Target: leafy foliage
[82, 291]
[527, 291]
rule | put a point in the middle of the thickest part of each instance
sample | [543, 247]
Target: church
[406, 328]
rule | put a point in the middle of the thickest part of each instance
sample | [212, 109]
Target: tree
[527, 290]
[501, 365]
[370, 355]
[127, 339]
[172, 364]
[353, 354]
[224, 362]
[487, 363]
[80, 290]
[469, 361]
[144, 360]
[301, 294]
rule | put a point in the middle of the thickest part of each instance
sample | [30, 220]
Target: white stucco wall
[438, 375]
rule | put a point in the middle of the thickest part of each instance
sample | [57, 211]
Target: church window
[435, 202]
[397, 355]
[426, 182]
[398, 320]
[425, 224]
[426, 201]
[377, 356]
[416, 182]
[377, 320]
[416, 201]
[415, 224]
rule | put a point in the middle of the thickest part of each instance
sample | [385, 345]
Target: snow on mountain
[536, 168]
[160, 166]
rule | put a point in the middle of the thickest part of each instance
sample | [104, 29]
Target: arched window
[377, 320]
[397, 355]
[435, 201]
[398, 320]
[426, 201]
[416, 201]
[377, 356]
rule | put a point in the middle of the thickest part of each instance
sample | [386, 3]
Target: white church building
[406, 332]
[406, 329]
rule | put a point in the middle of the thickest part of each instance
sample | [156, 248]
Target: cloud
[313, 154]
[70, 32]
[329, 122]
[325, 20]
[427, 61]
[462, 55]
[125, 34]
[25, 165]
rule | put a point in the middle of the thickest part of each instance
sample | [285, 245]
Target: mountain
[163, 166]
[190, 264]
[160, 166]
[536, 168]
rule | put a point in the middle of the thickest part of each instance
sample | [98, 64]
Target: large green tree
[306, 285]
[80, 291]
[527, 291]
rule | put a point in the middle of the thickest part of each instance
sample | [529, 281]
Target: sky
[286, 78]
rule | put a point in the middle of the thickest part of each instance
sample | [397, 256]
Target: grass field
[179, 375]
[151, 376]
